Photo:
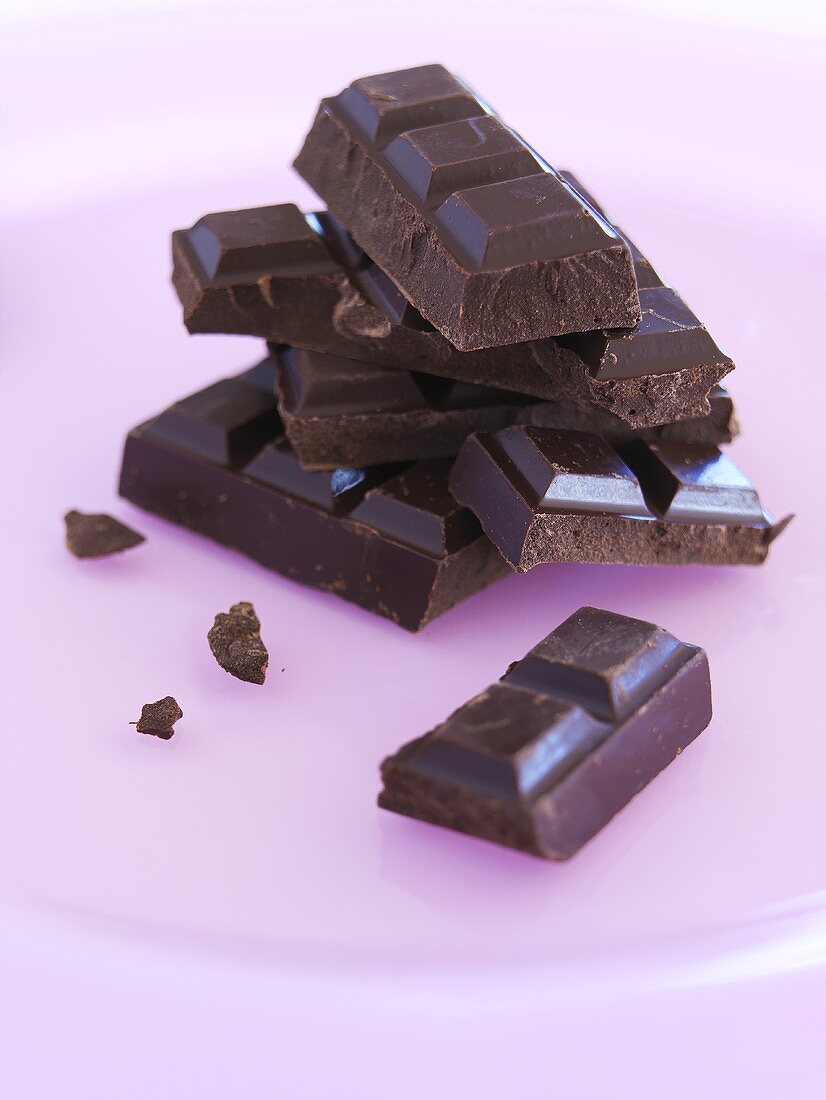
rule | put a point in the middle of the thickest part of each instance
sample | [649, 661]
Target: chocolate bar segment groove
[543, 759]
[389, 539]
[487, 241]
[544, 495]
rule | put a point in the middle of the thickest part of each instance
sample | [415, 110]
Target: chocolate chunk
[543, 759]
[350, 308]
[235, 641]
[96, 535]
[544, 495]
[400, 548]
[158, 719]
[340, 412]
[486, 240]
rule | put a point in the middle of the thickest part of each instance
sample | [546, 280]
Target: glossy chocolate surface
[463, 214]
[390, 539]
[569, 471]
[544, 758]
[568, 496]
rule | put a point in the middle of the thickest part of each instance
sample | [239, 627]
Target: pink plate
[228, 914]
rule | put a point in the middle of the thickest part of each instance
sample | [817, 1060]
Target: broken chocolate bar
[96, 535]
[235, 641]
[544, 495]
[158, 719]
[341, 412]
[483, 237]
[306, 283]
[543, 759]
[388, 538]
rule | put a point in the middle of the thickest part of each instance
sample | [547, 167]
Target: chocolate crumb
[158, 719]
[235, 641]
[98, 535]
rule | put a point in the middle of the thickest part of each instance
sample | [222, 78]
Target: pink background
[228, 914]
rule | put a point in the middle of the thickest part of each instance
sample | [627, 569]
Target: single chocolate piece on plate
[328, 296]
[388, 538]
[545, 495]
[543, 759]
[158, 719]
[483, 237]
[235, 641]
[342, 412]
[96, 535]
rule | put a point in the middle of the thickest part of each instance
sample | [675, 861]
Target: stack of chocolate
[469, 369]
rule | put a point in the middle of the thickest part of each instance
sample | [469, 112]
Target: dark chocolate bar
[342, 412]
[485, 239]
[543, 759]
[389, 538]
[305, 283]
[544, 495]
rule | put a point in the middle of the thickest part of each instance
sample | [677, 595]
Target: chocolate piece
[96, 535]
[389, 539]
[544, 758]
[235, 641]
[484, 238]
[158, 719]
[347, 306]
[341, 412]
[545, 495]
